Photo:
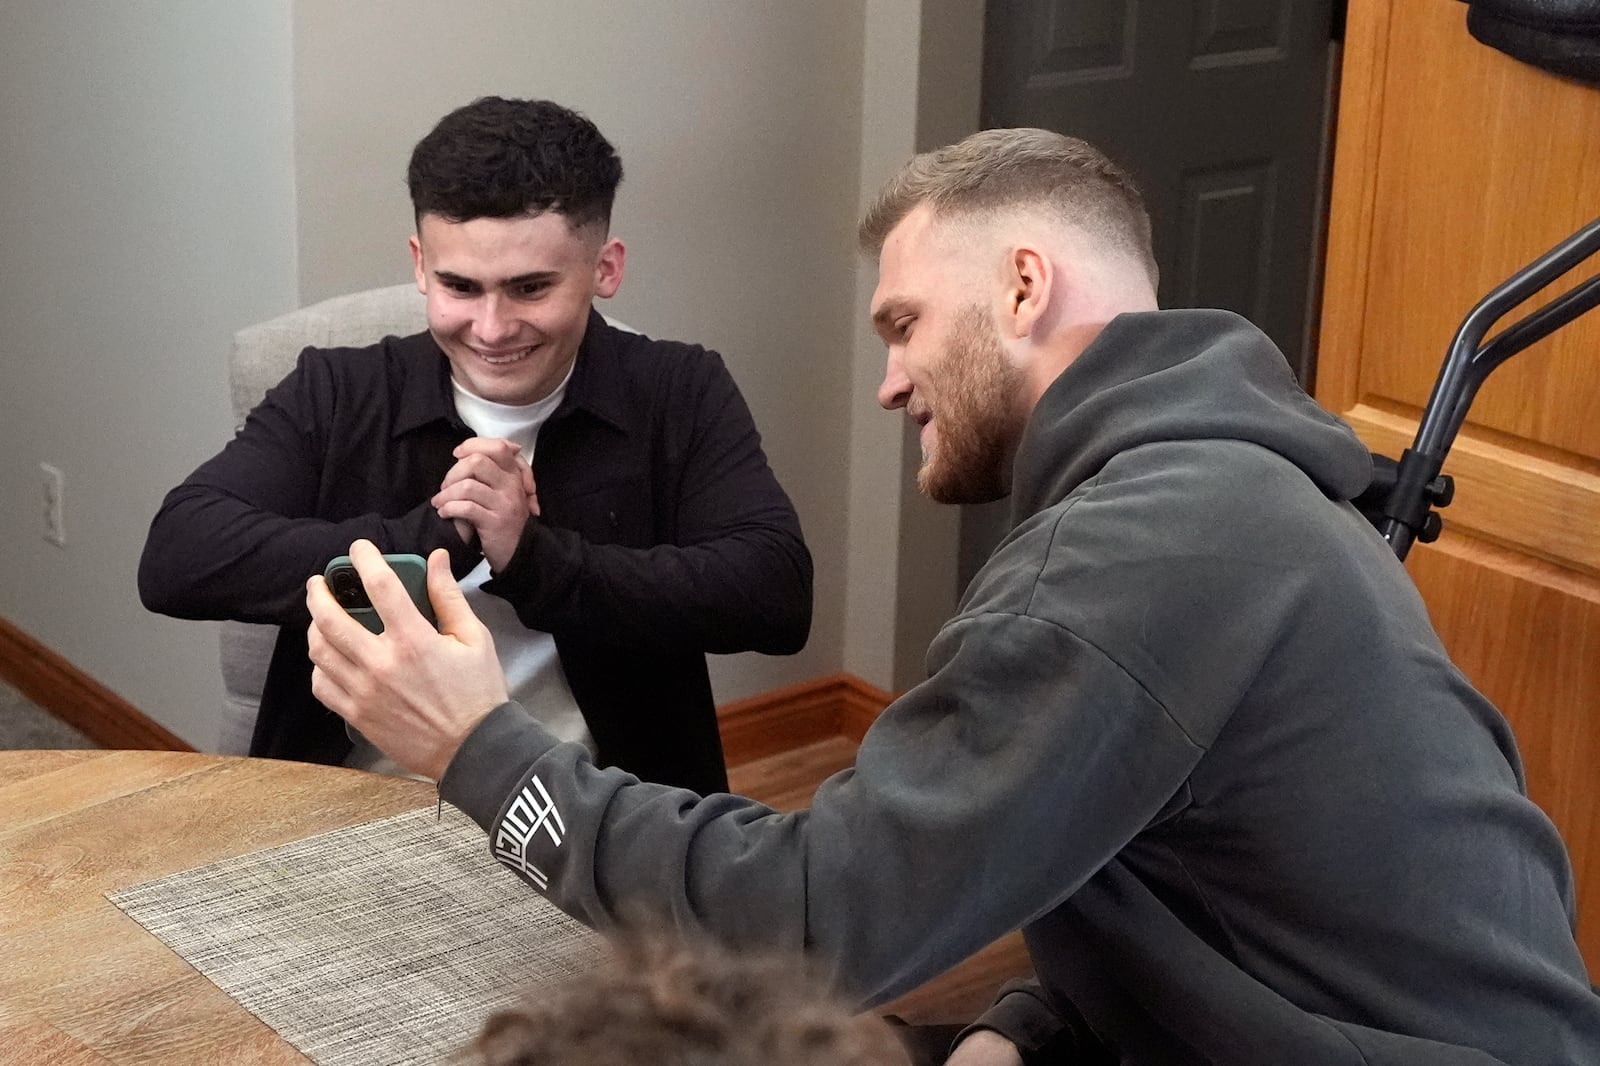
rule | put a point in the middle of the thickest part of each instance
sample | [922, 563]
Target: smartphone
[345, 584]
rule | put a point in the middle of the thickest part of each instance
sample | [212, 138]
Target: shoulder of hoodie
[1153, 512]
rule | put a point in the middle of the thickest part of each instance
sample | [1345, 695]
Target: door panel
[1216, 107]
[1219, 110]
[1454, 166]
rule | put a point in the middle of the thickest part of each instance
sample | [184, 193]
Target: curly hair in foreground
[671, 1004]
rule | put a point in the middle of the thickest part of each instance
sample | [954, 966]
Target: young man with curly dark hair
[602, 496]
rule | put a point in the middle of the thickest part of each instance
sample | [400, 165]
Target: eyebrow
[521, 279]
[890, 309]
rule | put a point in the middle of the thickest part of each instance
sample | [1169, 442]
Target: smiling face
[509, 298]
[947, 367]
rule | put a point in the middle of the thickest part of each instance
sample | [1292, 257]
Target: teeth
[501, 360]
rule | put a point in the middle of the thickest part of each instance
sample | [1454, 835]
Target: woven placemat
[386, 942]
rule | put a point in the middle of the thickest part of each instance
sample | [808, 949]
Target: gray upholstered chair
[262, 354]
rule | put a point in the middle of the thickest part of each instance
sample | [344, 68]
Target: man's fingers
[328, 691]
[388, 595]
[481, 468]
[449, 605]
[470, 490]
[531, 487]
[332, 642]
[501, 452]
[486, 446]
[330, 622]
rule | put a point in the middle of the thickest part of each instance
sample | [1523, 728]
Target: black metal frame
[1403, 494]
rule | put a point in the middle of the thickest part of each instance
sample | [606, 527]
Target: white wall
[920, 89]
[146, 202]
[171, 174]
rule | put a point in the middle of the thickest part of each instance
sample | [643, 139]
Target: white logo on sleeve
[523, 820]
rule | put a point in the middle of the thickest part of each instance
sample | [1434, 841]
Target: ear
[416, 265]
[608, 267]
[1030, 283]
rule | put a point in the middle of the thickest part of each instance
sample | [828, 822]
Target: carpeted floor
[26, 725]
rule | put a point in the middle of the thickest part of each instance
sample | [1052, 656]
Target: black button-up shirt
[663, 535]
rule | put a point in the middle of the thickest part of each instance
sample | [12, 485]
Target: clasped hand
[413, 691]
[489, 490]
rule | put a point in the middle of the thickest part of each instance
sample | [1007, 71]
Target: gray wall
[147, 203]
[169, 179]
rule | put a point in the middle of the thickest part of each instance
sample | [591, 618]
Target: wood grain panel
[79, 981]
[1486, 164]
[38, 1044]
[1522, 501]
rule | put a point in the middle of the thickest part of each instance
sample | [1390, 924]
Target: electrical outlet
[55, 491]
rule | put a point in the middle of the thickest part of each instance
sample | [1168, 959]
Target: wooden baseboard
[803, 713]
[76, 698]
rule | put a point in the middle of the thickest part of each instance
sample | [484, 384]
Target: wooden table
[81, 982]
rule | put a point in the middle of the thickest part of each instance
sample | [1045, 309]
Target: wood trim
[754, 728]
[859, 706]
[1357, 144]
[78, 699]
[799, 714]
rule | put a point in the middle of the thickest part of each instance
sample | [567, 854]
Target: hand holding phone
[345, 583]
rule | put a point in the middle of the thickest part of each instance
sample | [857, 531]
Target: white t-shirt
[528, 656]
[533, 669]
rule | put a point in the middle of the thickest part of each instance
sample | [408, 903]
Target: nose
[895, 392]
[492, 325]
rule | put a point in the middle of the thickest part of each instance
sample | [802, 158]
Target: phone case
[412, 570]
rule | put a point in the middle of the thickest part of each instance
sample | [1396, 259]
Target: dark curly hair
[668, 1003]
[499, 158]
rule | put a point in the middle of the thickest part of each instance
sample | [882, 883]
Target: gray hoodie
[1190, 729]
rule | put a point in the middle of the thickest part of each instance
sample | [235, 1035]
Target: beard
[980, 418]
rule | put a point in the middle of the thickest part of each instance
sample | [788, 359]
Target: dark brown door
[1219, 108]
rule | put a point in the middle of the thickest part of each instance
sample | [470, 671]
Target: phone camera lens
[347, 589]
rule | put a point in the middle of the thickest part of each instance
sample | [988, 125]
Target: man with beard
[1190, 729]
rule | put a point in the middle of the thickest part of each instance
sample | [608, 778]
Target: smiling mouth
[504, 358]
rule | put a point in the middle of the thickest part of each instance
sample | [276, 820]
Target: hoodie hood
[1173, 376]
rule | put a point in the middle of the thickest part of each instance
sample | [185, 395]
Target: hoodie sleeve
[1023, 1014]
[979, 800]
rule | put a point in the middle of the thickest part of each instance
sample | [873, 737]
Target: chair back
[262, 355]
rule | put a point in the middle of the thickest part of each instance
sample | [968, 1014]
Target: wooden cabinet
[1454, 165]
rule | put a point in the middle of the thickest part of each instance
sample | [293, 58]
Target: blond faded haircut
[995, 171]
